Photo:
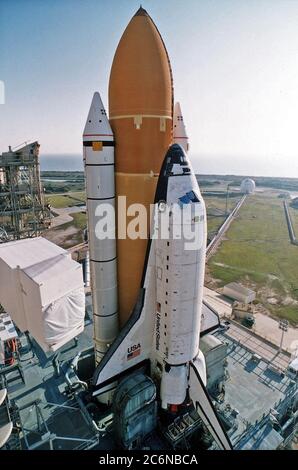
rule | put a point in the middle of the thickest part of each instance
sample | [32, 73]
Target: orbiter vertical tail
[205, 409]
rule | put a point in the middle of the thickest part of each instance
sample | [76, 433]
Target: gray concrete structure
[215, 352]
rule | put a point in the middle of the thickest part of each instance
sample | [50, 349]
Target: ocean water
[203, 164]
[63, 162]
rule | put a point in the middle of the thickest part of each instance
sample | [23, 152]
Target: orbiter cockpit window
[192, 196]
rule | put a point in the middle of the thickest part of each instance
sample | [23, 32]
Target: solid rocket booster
[140, 112]
[179, 131]
[98, 149]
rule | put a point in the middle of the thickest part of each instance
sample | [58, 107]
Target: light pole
[283, 326]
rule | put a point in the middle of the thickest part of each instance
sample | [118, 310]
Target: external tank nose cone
[141, 77]
[141, 12]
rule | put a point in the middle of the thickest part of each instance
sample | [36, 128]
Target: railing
[223, 228]
[291, 230]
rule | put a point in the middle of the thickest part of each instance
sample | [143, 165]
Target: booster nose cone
[179, 130]
[97, 126]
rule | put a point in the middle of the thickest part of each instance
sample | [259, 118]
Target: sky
[235, 68]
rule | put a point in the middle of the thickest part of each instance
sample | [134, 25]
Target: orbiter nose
[176, 161]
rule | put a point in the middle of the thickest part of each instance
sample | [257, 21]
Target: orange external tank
[141, 116]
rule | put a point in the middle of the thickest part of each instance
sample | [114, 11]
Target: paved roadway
[63, 215]
[257, 345]
[268, 328]
[221, 304]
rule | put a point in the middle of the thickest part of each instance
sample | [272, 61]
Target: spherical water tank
[248, 186]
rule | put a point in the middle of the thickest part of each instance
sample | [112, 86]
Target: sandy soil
[65, 238]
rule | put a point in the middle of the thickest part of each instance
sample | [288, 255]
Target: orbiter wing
[133, 345]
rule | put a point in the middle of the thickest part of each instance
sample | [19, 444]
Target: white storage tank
[248, 186]
[42, 289]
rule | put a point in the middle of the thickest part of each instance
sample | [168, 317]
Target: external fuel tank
[141, 117]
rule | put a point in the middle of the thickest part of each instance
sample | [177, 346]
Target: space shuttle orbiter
[163, 331]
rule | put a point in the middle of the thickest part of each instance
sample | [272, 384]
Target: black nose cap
[176, 154]
[175, 164]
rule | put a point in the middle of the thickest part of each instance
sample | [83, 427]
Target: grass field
[213, 225]
[216, 207]
[66, 200]
[70, 233]
[79, 195]
[258, 253]
[79, 220]
[294, 217]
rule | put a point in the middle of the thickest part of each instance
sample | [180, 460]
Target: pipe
[290, 421]
[88, 418]
[72, 369]
[56, 364]
[87, 270]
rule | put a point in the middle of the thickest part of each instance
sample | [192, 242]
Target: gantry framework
[22, 210]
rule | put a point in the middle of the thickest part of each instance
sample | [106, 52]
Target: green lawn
[66, 200]
[216, 207]
[213, 224]
[294, 217]
[79, 195]
[79, 220]
[258, 253]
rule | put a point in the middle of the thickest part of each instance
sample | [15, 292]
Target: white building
[248, 186]
[238, 292]
[293, 369]
[42, 289]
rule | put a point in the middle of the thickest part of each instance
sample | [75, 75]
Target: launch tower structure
[22, 210]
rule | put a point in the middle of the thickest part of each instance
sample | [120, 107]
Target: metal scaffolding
[22, 210]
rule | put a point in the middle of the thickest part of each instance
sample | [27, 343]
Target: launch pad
[51, 411]
[47, 414]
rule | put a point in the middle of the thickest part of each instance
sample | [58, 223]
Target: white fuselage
[180, 267]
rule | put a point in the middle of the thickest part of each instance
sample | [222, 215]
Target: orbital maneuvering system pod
[160, 279]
